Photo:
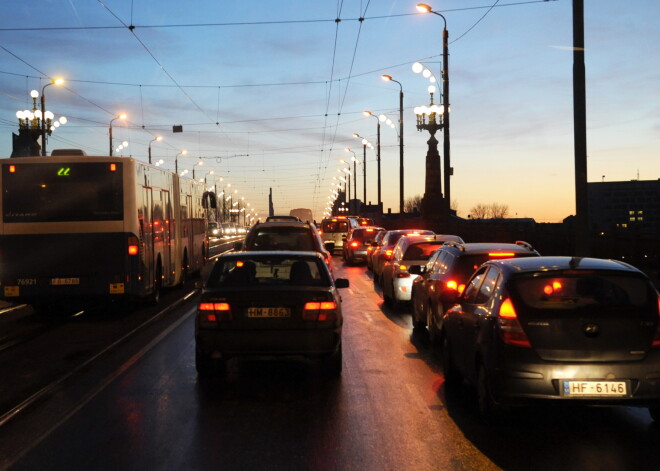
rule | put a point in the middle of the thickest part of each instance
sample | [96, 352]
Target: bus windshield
[59, 192]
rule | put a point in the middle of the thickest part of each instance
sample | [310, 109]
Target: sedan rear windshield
[594, 292]
[268, 271]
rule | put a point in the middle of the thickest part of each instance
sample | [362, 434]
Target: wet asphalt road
[141, 406]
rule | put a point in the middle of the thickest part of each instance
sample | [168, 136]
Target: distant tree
[412, 203]
[479, 211]
[498, 211]
[489, 211]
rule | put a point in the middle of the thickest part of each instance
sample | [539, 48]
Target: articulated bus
[89, 228]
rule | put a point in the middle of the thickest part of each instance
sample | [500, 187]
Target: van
[335, 230]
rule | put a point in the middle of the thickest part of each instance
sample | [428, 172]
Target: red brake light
[215, 311]
[113, 167]
[501, 254]
[320, 311]
[451, 284]
[510, 329]
[12, 169]
[388, 253]
[354, 244]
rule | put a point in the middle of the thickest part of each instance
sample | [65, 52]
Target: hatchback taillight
[355, 244]
[509, 327]
[213, 312]
[320, 311]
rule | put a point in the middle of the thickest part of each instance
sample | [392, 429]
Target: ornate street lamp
[156, 139]
[424, 8]
[119, 116]
[32, 125]
[430, 118]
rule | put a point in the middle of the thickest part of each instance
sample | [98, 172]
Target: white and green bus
[83, 228]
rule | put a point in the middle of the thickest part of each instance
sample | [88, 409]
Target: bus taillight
[133, 247]
[12, 169]
[113, 167]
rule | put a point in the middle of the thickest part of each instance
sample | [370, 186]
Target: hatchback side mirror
[341, 283]
[449, 296]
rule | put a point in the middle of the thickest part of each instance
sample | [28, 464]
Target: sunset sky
[269, 96]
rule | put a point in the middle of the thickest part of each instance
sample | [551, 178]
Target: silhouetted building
[625, 205]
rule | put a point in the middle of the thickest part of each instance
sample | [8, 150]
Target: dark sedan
[555, 329]
[275, 303]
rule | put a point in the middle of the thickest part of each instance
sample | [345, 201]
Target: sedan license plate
[594, 388]
[261, 312]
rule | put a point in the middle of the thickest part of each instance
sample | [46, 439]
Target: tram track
[43, 391]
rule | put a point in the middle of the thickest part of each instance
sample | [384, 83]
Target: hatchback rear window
[596, 291]
[421, 251]
[468, 264]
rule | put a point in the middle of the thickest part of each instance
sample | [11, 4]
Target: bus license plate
[64, 281]
[594, 388]
[116, 288]
[261, 312]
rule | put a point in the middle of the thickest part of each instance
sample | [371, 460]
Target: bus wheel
[154, 297]
[184, 269]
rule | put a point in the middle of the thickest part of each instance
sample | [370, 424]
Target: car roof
[415, 239]
[271, 253]
[551, 263]
[486, 247]
[283, 224]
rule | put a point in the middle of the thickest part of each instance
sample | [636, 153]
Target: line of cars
[273, 296]
[524, 329]
[225, 229]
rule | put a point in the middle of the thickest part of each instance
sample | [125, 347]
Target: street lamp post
[156, 139]
[355, 162]
[390, 79]
[120, 116]
[57, 81]
[369, 113]
[445, 100]
[365, 143]
[176, 160]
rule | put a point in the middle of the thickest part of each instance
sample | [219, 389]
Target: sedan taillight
[509, 327]
[320, 311]
[213, 312]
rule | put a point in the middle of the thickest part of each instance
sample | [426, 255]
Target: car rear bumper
[230, 343]
[528, 383]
